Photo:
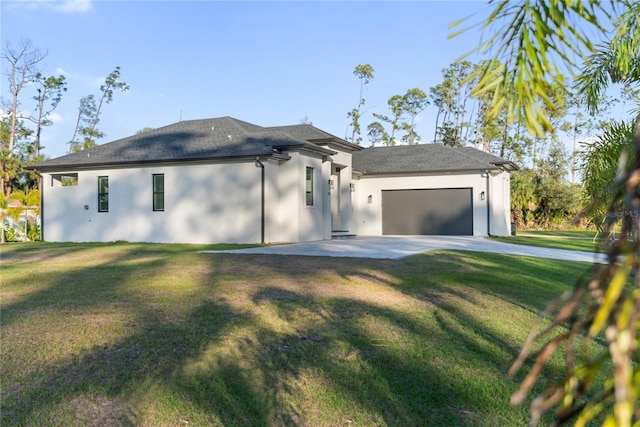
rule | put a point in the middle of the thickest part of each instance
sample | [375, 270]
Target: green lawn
[576, 234]
[572, 240]
[141, 334]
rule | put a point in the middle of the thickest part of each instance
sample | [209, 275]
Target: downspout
[261, 166]
[41, 178]
[488, 205]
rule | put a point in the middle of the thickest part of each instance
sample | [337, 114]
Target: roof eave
[53, 168]
[508, 165]
[337, 141]
[307, 147]
[432, 171]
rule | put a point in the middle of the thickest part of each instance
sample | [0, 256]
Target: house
[226, 180]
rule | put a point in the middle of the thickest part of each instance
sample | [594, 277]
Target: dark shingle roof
[226, 137]
[205, 139]
[312, 133]
[424, 158]
[492, 158]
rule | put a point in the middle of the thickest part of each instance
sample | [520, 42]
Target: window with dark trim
[309, 187]
[158, 192]
[103, 194]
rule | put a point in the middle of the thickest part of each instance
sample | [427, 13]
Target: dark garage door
[445, 211]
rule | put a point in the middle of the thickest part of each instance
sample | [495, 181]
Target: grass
[141, 334]
[574, 234]
[581, 240]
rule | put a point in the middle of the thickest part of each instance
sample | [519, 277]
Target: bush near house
[544, 201]
[20, 216]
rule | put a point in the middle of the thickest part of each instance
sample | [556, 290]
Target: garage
[443, 211]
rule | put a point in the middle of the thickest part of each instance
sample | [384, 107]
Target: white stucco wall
[500, 192]
[204, 203]
[298, 222]
[367, 217]
[221, 202]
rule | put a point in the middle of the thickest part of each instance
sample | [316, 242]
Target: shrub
[11, 235]
[33, 231]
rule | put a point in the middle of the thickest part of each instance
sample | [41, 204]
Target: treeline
[31, 98]
[548, 190]
[29, 102]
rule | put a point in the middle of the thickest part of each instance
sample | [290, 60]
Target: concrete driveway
[394, 247]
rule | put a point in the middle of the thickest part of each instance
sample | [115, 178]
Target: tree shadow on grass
[151, 347]
[89, 284]
[395, 382]
[531, 283]
[330, 359]
[153, 350]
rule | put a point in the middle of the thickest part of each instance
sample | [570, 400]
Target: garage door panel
[427, 212]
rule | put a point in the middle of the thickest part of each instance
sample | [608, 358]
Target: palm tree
[601, 160]
[534, 43]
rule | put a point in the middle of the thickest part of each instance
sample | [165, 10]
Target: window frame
[155, 192]
[64, 179]
[308, 190]
[102, 194]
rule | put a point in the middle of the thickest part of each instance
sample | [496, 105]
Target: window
[64, 180]
[309, 186]
[103, 194]
[158, 192]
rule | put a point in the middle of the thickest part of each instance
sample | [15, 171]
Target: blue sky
[269, 63]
